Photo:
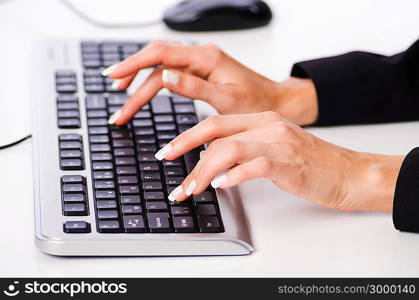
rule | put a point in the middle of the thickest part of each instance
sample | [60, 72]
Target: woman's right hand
[205, 72]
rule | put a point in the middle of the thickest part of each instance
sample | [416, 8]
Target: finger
[144, 93]
[220, 156]
[124, 83]
[171, 55]
[255, 168]
[194, 87]
[209, 129]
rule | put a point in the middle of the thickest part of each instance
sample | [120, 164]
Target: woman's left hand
[266, 145]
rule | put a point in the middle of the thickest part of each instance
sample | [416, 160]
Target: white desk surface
[291, 236]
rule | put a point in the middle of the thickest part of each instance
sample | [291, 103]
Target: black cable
[15, 142]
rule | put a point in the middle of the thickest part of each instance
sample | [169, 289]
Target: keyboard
[99, 190]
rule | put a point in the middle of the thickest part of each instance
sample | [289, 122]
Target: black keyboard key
[98, 130]
[142, 115]
[70, 198]
[183, 128]
[94, 88]
[103, 175]
[181, 210]
[125, 161]
[206, 209]
[71, 154]
[67, 98]
[107, 214]
[169, 171]
[152, 186]
[97, 122]
[174, 180]
[149, 166]
[142, 123]
[209, 224]
[73, 188]
[69, 137]
[101, 156]
[146, 148]
[147, 157]
[97, 114]
[180, 99]
[95, 102]
[144, 131]
[204, 197]
[71, 145]
[92, 63]
[99, 139]
[68, 114]
[127, 180]
[164, 119]
[109, 226]
[126, 170]
[156, 206]
[69, 123]
[73, 179]
[105, 195]
[100, 148]
[168, 136]
[184, 108]
[104, 184]
[106, 204]
[147, 176]
[66, 88]
[76, 227]
[124, 152]
[74, 209]
[117, 99]
[98, 166]
[183, 224]
[145, 140]
[123, 143]
[186, 119]
[161, 105]
[134, 223]
[159, 222]
[132, 199]
[165, 127]
[154, 196]
[67, 106]
[129, 189]
[173, 163]
[71, 164]
[121, 134]
[129, 209]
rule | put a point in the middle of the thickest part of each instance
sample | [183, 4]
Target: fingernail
[190, 188]
[110, 69]
[175, 194]
[115, 116]
[218, 181]
[170, 77]
[201, 154]
[163, 152]
[116, 83]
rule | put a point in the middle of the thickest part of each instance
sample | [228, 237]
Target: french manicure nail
[175, 194]
[163, 152]
[201, 154]
[190, 188]
[110, 69]
[116, 83]
[218, 181]
[115, 116]
[170, 77]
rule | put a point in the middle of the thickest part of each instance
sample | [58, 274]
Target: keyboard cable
[2, 147]
[97, 23]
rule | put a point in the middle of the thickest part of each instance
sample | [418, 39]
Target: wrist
[296, 100]
[374, 183]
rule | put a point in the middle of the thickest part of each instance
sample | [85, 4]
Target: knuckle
[265, 165]
[271, 115]
[233, 147]
[213, 123]
[283, 128]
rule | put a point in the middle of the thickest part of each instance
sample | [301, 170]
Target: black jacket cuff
[406, 196]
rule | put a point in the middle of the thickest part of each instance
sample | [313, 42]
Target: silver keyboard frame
[49, 56]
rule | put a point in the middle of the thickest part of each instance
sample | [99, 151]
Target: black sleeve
[360, 87]
[406, 196]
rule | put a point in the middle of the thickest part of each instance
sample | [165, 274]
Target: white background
[291, 236]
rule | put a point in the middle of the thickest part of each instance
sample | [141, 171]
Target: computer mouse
[203, 15]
